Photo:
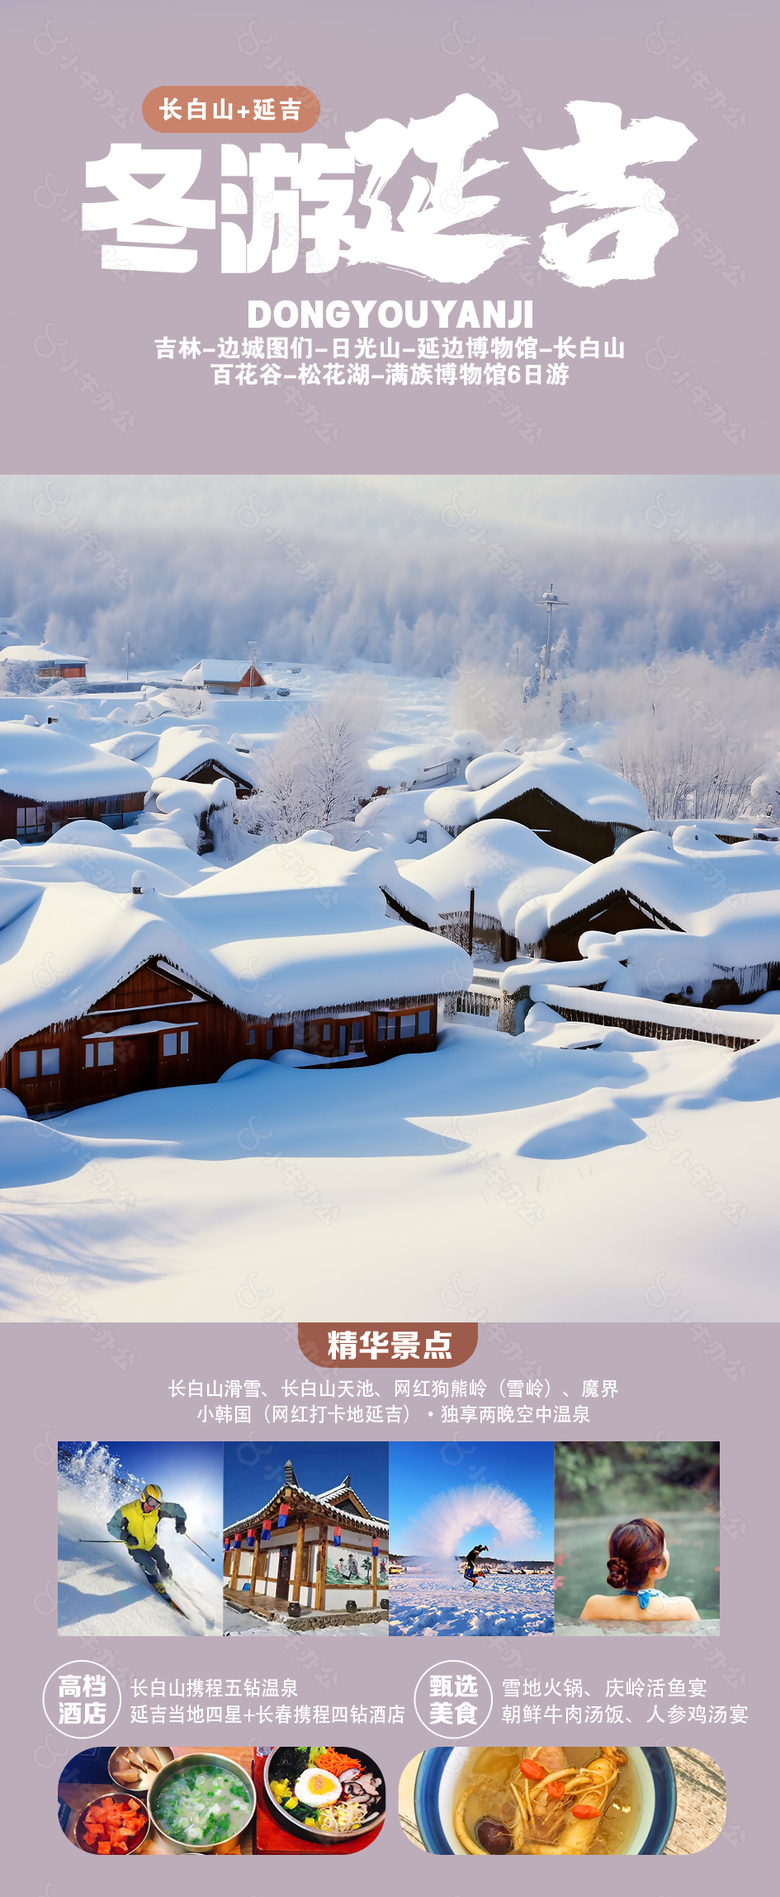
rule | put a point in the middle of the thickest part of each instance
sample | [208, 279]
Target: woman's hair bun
[617, 1572]
[634, 1548]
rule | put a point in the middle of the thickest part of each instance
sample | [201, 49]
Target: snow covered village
[223, 875]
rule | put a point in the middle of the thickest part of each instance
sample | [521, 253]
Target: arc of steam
[453, 1514]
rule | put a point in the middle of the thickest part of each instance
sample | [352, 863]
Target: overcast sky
[389, 569]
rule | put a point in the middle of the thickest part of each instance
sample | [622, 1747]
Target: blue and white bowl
[441, 1767]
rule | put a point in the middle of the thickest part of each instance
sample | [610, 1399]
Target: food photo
[184, 1800]
[319, 1797]
[556, 1801]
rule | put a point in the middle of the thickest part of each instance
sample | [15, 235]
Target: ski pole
[196, 1544]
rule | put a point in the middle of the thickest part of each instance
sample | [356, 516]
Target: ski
[159, 1588]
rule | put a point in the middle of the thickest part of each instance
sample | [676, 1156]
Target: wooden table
[701, 1802]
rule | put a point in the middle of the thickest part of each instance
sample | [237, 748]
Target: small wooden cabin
[621, 909]
[155, 1029]
[562, 828]
[272, 1563]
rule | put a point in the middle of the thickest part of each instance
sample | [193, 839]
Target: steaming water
[450, 1517]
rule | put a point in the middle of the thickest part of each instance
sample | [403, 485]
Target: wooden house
[573, 804]
[192, 755]
[146, 990]
[48, 664]
[48, 779]
[224, 677]
[314, 1554]
[697, 920]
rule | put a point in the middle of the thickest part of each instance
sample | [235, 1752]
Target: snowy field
[501, 1604]
[100, 1591]
[495, 1177]
[251, 1624]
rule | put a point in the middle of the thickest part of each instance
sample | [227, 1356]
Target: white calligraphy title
[152, 220]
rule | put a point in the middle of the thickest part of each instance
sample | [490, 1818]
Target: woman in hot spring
[638, 1559]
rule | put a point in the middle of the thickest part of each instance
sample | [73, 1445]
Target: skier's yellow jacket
[143, 1526]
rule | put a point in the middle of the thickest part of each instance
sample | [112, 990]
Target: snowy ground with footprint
[501, 1604]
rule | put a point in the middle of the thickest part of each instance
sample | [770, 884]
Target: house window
[30, 821]
[327, 1031]
[385, 1027]
[50, 1060]
[28, 1063]
[184, 1042]
[89, 1060]
[357, 1031]
[170, 1044]
[408, 1026]
[269, 1040]
[250, 1039]
[424, 1021]
[105, 1053]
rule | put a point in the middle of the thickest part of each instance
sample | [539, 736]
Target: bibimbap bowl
[439, 1773]
[201, 1801]
[322, 1803]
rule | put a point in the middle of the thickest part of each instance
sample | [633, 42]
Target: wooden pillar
[234, 1567]
[262, 1568]
[373, 1579]
[255, 1559]
[299, 1544]
[322, 1554]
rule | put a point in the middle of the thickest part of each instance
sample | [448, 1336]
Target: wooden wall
[220, 1038]
[561, 828]
[61, 813]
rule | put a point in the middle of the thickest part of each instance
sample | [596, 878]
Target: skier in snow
[136, 1523]
[471, 1572]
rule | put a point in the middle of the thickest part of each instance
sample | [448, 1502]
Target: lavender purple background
[363, 61]
[61, 1382]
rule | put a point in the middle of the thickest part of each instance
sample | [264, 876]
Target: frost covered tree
[314, 777]
[20, 676]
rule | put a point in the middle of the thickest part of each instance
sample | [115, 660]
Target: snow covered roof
[47, 764]
[503, 862]
[179, 750]
[397, 761]
[87, 858]
[41, 655]
[336, 889]
[285, 942]
[687, 881]
[580, 785]
[220, 672]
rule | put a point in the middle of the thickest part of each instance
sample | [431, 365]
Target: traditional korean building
[300, 1553]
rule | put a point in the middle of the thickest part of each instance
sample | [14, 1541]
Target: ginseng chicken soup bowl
[545, 1801]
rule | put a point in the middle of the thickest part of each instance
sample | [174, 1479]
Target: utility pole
[128, 656]
[549, 601]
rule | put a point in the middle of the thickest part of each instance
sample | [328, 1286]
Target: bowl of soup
[465, 1803]
[201, 1801]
